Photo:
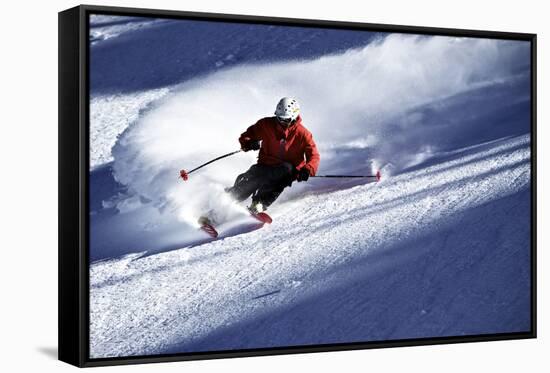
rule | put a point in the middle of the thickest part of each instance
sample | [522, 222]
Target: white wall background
[28, 194]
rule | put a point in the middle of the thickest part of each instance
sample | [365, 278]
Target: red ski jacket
[294, 144]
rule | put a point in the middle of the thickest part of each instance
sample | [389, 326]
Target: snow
[107, 27]
[439, 247]
[110, 115]
[358, 252]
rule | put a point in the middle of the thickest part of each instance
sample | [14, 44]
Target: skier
[287, 153]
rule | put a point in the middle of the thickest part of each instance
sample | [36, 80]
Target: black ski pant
[264, 183]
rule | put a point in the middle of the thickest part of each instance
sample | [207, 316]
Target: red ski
[210, 230]
[262, 216]
[207, 226]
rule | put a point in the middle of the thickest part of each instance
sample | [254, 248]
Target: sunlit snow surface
[110, 115]
[439, 247]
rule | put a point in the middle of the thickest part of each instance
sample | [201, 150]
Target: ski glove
[251, 145]
[302, 175]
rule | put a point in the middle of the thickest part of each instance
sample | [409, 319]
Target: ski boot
[257, 210]
[256, 207]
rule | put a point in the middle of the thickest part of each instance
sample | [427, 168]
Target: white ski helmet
[287, 109]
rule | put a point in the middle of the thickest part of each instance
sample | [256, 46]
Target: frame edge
[69, 248]
[72, 182]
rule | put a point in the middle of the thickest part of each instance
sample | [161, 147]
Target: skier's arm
[312, 156]
[250, 138]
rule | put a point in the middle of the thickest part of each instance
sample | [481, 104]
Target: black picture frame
[73, 75]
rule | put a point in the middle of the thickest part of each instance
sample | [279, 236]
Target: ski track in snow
[108, 27]
[174, 301]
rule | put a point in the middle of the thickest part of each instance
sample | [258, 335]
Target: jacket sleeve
[312, 155]
[254, 132]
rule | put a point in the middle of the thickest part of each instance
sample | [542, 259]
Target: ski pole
[378, 176]
[185, 174]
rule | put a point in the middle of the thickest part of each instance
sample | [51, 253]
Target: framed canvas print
[237, 186]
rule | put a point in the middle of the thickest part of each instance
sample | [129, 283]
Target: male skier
[287, 153]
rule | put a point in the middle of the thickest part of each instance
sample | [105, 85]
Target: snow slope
[437, 250]
[439, 247]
